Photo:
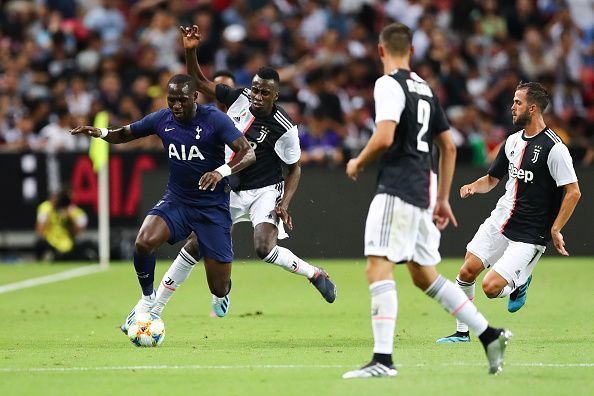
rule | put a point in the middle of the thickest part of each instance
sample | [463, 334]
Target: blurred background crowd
[62, 61]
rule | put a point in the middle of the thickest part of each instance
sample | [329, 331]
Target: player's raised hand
[209, 180]
[353, 169]
[191, 36]
[467, 190]
[559, 243]
[284, 215]
[86, 130]
[443, 214]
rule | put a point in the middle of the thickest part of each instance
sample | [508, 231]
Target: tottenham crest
[535, 153]
[198, 130]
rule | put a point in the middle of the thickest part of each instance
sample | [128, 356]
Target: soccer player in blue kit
[197, 194]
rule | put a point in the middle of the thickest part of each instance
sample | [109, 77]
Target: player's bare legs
[494, 284]
[470, 270]
[218, 276]
[265, 245]
[152, 234]
[177, 273]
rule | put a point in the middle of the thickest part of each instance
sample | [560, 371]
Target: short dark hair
[396, 38]
[184, 79]
[268, 73]
[224, 73]
[535, 94]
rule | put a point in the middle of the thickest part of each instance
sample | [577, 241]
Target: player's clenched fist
[466, 190]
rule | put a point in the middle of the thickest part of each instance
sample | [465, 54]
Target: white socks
[506, 291]
[287, 260]
[384, 306]
[177, 273]
[468, 289]
[457, 304]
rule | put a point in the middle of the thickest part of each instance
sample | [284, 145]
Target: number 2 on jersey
[423, 113]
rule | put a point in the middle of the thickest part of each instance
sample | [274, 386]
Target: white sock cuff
[186, 258]
[272, 256]
[463, 283]
[382, 286]
[436, 286]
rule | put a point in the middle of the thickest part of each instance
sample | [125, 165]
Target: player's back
[406, 167]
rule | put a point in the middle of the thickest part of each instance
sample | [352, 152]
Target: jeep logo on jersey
[535, 154]
[263, 132]
[198, 130]
[527, 176]
[181, 155]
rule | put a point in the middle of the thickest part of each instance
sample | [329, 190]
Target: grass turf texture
[281, 338]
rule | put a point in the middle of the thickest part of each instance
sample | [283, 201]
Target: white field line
[60, 276]
[268, 366]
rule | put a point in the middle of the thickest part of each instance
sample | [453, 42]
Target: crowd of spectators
[62, 61]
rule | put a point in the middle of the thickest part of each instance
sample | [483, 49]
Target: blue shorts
[212, 226]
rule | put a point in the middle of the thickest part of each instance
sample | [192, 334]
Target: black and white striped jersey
[274, 138]
[405, 169]
[538, 167]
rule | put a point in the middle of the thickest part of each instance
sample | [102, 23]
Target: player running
[400, 225]
[197, 195]
[540, 195]
[260, 194]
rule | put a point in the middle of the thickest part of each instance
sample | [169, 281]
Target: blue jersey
[193, 149]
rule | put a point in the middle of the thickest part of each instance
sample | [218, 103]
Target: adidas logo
[236, 119]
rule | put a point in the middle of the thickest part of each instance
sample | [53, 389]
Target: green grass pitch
[281, 338]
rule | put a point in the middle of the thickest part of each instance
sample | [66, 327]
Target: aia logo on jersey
[184, 153]
[263, 133]
[535, 154]
[520, 174]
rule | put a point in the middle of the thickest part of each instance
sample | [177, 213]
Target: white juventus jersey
[538, 167]
[274, 138]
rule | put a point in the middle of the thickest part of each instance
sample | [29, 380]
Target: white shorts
[257, 206]
[401, 232]
[514, 261]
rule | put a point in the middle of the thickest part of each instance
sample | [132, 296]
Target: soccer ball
[148, 330]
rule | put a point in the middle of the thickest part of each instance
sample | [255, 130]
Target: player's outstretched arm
[191, 38]
[570, 199]
[111, 135]
[291, 183]
[481, 185]
[244, 157]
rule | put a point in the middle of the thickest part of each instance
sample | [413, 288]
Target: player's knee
[467, 274]
[376, 273]
[491, 289]
[143, 246]
[191, 246]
